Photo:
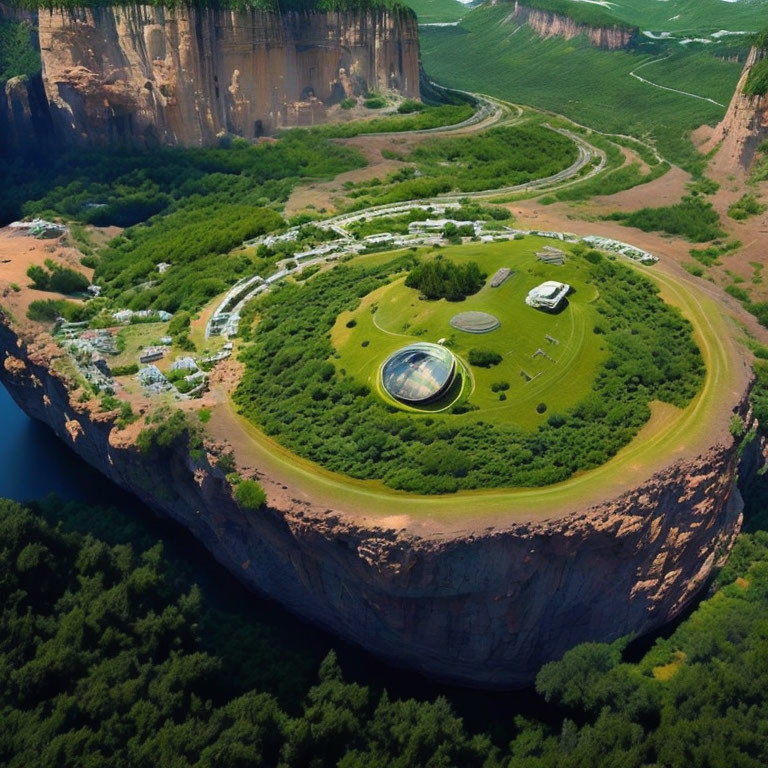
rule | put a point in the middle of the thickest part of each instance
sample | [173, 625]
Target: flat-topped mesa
[745, 125]
[483, 605]
[146, 75]
[550, 23]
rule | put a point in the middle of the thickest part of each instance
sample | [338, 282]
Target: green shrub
[541, 408]
[737, 293]
[693, 217]
[483, 358]
[375, 102]
[348, 103]
[125, 370]
[409, 106]
[693, 269]
[163, 433]
[747, 205]
[57, 278]
[49, 310]
[250, 495]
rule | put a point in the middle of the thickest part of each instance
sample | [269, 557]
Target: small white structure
[547, 295]
[184, 364]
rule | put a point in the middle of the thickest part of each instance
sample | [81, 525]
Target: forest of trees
[294, 392]
[110, 655]
[441, 278]
[189, 208]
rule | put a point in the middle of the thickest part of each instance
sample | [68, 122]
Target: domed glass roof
[419, 372]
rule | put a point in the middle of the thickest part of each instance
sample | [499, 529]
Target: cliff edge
[484, 607]
[549, 23]
[146, 75]
[744, 127]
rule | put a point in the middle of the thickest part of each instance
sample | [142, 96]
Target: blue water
[34, 463]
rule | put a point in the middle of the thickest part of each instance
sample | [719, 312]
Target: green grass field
[560, 380]
[587, 84]
[689, 16]
[437, 11]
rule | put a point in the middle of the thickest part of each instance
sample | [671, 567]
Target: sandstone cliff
[744, 126]
[25, 123]
[549, 24]
[485, 607]
[146, 75]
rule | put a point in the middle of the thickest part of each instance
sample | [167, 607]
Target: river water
[35, 463]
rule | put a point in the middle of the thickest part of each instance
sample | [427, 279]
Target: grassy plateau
[560, 378]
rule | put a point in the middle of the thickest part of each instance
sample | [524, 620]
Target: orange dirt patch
[18, 252]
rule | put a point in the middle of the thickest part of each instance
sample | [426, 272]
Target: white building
[547, 295]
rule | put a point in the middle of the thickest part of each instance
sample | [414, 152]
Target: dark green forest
[110, 655]
[189, 208]
[292, 389]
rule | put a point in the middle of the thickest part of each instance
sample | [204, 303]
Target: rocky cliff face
[744, 126]
[482, 608]
[146, 75]
[25, 123]
[548, 24]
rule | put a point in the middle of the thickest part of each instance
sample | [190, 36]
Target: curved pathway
[667, 88]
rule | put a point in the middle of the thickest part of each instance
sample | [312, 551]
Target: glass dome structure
[418, 373]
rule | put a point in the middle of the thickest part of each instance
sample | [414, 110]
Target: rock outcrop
[25, 122]
[744, 127]
[484, 607]
[550, 24]
[146, 75]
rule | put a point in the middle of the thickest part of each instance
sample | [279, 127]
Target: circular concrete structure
[418, 373]
[475, 322]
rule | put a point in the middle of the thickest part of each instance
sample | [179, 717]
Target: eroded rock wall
[744, 127]
[484, 607]
[549, 24]
[147, 75]
[25, 125]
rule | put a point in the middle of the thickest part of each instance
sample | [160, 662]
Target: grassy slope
[691, 15]
[559, 384]
[671, 433]
[584, 83]
[437, 11]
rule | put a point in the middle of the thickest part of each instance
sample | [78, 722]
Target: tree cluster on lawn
[292, 389]
[441, 278]
[694, 218]
[111, 655]
[57, 278]
[483, 358]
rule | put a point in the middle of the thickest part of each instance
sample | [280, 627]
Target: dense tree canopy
[109, 656]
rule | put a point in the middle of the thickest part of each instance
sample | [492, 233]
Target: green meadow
[394, 316]
[587, 84]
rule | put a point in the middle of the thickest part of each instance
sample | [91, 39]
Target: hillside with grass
[659, 89]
